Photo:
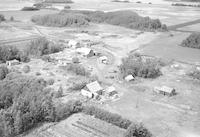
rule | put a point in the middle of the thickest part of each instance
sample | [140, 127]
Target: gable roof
[94, 87]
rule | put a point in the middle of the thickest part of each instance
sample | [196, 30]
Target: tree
[2, 18]
[59, 93]
[137, 130]
[3, 72]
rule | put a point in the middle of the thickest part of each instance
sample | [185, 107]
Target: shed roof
[166, 89]
[129, 78]
[94, 87]
[110, 89]
[84, 51]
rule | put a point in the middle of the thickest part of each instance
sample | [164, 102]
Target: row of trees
[126, 19]
[61, 20]
[135, 65]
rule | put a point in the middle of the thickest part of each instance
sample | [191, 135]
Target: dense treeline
[11, 52]
[135, 65]
[58, 1]
[2, 18]
[126, 19]
[61, 20]
[193, 41]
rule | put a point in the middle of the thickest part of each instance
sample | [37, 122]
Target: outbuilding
[87, 52]
[165, 90]
[12, 62]
[86, 93]
[111, 91]
[94, 87]
[103, 59]
[129, 78]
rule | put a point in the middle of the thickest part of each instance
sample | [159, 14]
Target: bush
[63, 111]
[101, 114]
[50, 81]
[59, 93]
[135, 65]
[37, 73]
[195, 73]
[193, 41]
[3, 72]
[2, 18]
[29, 9]
[137, 130]
[77, 69]
[61, 20]
[75, 60]
[42, 46]
[12, 18]
[26, 69]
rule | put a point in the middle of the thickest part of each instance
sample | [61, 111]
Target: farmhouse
[87, 52]
[103, 59]
[129, 78]
[12, 62]
[165, 90]
[94, 87]
[86, 93]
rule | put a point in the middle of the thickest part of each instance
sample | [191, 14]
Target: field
[177, 116]
[80, 125]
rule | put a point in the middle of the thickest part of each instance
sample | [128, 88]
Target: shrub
[137, 130]
[29, 8]
[2, 18]
[193, 41]
[59, 93]
[112, 118]
[50, 81]
[26, 69]
[3, 72]
[37, 73]
[195, 73]
[75, 60]
[12, 18]
[135, 65]
[42, 46]
[77, 69]
[61, 20]
[63, 111]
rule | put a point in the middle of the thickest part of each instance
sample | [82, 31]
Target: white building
[12, 62]
[86, 93]
[129, 78]
[85, 51]
[103, 59]
[165, 90]
[94, 87]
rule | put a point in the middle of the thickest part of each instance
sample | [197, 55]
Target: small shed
[111, 90]
[129, 78]
[12, 62]
[94, 87]
[87, 52]
[73, 44]
[165, 90]
[103, 59]
[86, 93]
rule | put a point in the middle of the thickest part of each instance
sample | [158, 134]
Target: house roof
[94, 87]
[110, 89]
[103, 58]
[84, 51]
[166, 89]
[129, 78]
